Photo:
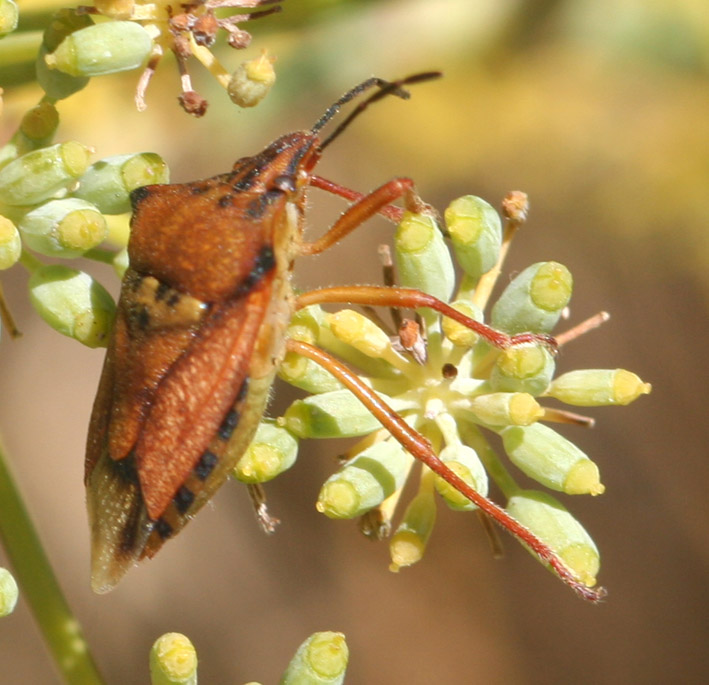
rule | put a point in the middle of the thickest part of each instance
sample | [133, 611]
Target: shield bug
[200, 330]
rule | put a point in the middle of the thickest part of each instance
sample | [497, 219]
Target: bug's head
[284, 165]
[287, 163]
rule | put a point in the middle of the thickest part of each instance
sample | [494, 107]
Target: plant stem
[39, 586]
[19, 48]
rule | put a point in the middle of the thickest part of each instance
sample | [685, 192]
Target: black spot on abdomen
[183, 499]
[228, 425]
[163, 528]
[205, 465]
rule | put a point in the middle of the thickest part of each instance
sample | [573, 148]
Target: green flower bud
[306, 323]
[10, 243]
[38, 175]
[534, 300]
[555, 526]
[370, 366]
[365, 481]
[173, 661]
[63, 228]
[362, 333]
[506, 409]
[464, 462]
[56, 84]
[336, 414]
[39, 124]
[109, 182]
[524, 368]
[598, 387]
[458, 334]
[306, 374]
[73, 303]
[8, 592]
[252, 81]
[320, 660]
[272, 451]
[298, 370]
[9, 14]
[551, 460]
[409, 542]
[101, 49]
[422, 258]
[476, 233]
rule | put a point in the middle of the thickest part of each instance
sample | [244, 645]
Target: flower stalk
[39, 587]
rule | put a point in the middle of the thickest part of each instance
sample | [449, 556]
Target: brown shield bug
[201, 328]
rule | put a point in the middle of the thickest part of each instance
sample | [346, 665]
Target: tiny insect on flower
[200, 331]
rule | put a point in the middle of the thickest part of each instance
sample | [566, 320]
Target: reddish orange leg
[392, 213]
[420, 448]
[413, 299]
[365, 207]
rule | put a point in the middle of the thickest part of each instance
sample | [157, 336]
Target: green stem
[38, 585]
[466, 289]
[19, 48]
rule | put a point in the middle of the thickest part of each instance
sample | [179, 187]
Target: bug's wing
[154, 443]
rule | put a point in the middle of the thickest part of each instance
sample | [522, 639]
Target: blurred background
[599, 110]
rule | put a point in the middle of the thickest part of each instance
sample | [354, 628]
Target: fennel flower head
[457, 385]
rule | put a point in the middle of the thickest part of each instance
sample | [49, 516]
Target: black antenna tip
[385, 88]
[423, 76]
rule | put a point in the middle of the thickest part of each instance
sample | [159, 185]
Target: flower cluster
[54, 203]
[456, 389]
[138, 33]
[322, 658]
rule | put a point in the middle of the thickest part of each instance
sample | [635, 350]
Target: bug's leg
[413, 299]
[420, 448]
[365, 207]
[394, 214]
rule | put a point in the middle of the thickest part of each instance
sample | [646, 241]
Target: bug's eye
[284, 183]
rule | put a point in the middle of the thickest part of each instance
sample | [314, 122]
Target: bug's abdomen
[238, 424]
[165, 449]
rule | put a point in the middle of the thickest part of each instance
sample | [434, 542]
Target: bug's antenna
[385, 88]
